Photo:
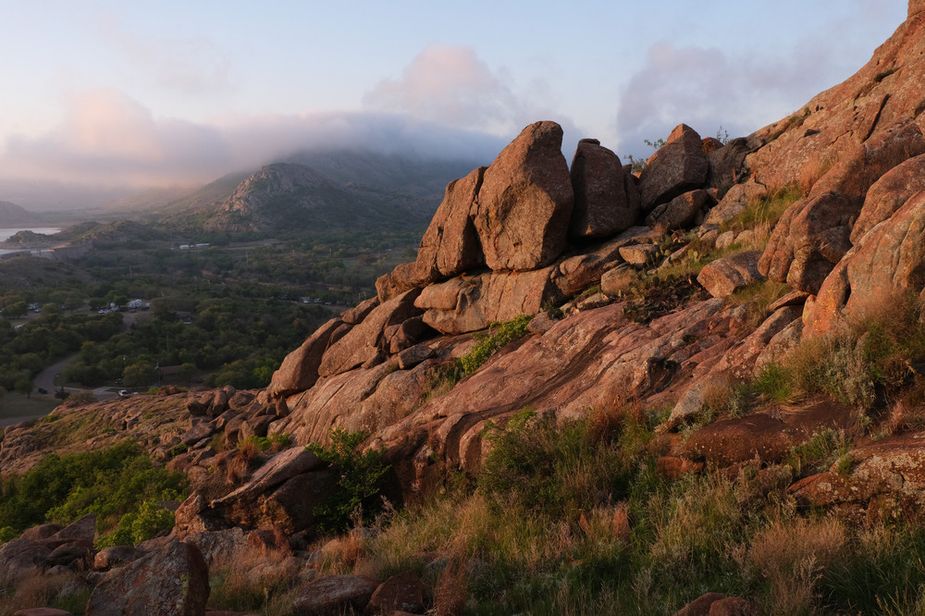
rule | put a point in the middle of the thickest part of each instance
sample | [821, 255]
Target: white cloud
[708, 88]
[452, 85]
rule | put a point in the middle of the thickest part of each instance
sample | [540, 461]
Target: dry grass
[64, 591]
[255, 578]
[791, 556]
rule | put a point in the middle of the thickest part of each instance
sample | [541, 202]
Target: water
[6, 234]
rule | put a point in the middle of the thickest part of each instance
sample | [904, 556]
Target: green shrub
[498, 336]
[108, 483]
[359, 480]
[151, 520]
[765, 211]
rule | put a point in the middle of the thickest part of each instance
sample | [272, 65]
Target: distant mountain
[12, 215]
[343, 190]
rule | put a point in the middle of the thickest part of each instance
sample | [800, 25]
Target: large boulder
[450, 245]
[888, 475]
[299, 369]
[170, 581]
[364, 343]
[525, 201]
[735, 201]
[283, 494]
[814, 234]
[889, 194]
[606, 201]
[472, 303]
[727, 164]
[889, 260]
[677, 167]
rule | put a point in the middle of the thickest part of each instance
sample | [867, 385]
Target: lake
[6, 234]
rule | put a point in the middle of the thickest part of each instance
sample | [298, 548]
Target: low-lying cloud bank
[108, 139]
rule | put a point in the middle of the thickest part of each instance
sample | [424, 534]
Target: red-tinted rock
[404, 592]
[525, 202]
[889, 194]
[723, 277]
[363, 343]
[888, 261]
[680, 212]
[602, 206]
[677, 167]
[171, 581]
[299, 369]
[334, 595]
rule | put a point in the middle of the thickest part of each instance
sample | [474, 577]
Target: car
[124, 393]
[42, 390]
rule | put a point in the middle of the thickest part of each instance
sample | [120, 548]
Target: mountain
[592, 392]
[12, 216]
[316, 190]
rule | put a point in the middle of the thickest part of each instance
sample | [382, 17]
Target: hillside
[12, 216]
[694, 390]
[341, 190]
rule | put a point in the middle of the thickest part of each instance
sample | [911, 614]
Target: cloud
[452, 85]
[189, 66]
[107, 139]
[708, 88]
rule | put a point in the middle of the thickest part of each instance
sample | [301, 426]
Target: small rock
[725, 240]
[333, 595]
[680, 212]
[617, 280]
[639, 254]
[732, 606]
[723, 277]
[405, 592]
[701, 605]
[115, 556]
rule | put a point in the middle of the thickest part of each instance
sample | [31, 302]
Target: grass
[487, 344]
[868, 363]
[582, 524]
[762, 214]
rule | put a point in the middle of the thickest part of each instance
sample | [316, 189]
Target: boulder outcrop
[606, 201]
[170, 581]
[525, 201]
[889, 261]
[677, 167]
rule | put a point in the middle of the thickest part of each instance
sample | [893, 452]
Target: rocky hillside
[344, 190]
[595, 391]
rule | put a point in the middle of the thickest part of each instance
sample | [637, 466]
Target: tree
[23, 385]
[138, 374]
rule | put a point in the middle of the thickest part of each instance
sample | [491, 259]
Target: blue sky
[114, 91]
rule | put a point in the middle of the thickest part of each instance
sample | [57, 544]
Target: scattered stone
[723, 277]
[725, 240]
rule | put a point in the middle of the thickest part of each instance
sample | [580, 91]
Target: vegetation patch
[359, 480]
[120, 485]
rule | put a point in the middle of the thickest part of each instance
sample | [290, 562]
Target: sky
[169, 92]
